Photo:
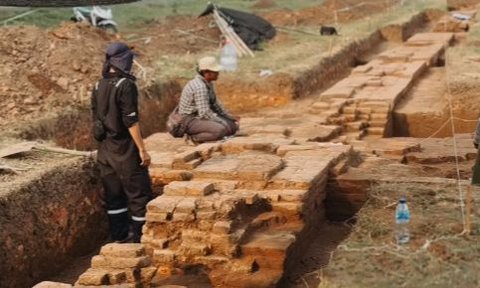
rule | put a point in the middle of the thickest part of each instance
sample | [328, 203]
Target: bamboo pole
[231, 32]
[228, 37]
[468, 210]
[195, 35]
[233, 35]
[18, 16]
[64, 151]
[225, 34]
[223, 26]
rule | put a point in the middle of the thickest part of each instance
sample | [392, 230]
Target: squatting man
[205, 119]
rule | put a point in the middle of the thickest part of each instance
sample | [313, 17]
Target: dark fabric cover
[251, 28]
[60, 3]
[119, 56]
[122, 113]
[476, 170]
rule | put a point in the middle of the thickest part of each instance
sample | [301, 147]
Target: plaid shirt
[198, 99]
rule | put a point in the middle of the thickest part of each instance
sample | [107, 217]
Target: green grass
[396, 15]
[301, 51]
[139, 13]
[297, 54]
[437, 256]
[464, 55]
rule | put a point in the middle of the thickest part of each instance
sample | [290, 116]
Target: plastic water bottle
[228, 57]
[402, 218]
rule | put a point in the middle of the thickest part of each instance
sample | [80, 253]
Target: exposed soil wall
[72, 129]
[243, 96]
[423, 115]
[334, 67]
[156, 103]
[48, 221]
[401, 32]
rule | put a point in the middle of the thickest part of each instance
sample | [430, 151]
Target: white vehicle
[97, 16]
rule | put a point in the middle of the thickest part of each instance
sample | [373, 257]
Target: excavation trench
[71, 128]
[64, 211]
[48, 218]
[425, 111]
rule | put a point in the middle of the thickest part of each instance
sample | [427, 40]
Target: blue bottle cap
[403, 200]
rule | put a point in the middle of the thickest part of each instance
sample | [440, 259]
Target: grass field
[296, 53]
[438, 255]
[302, 50]
[139, 13]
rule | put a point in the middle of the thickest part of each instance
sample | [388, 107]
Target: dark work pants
[209, 130]
[476, 170]
[127, 188]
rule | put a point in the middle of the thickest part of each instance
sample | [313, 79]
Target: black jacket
[121, 113]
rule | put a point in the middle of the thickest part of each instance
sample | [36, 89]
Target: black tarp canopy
[60, 3]
[251, 28]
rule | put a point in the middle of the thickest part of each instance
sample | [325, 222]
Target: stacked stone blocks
[119, 264]
[362, 103]
[246, 205]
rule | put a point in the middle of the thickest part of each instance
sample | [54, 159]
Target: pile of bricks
[117, 264]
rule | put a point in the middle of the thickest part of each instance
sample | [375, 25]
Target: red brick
[93, 277]
[126, 250]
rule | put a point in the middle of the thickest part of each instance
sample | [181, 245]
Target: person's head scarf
[119, 57]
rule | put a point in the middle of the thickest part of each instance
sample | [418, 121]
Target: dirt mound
[347, 10]
[46, 70]
[179, 35]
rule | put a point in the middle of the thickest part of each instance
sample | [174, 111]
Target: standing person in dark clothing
[476, 167]
[122, 158]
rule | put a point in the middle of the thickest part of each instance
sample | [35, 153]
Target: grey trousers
[209, 130]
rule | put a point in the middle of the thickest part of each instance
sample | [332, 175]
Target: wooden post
[335, 14]
[330, 47]
[468, 210]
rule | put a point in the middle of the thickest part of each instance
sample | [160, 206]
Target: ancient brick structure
[119, 264]
[242, 209]
[362, 103]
